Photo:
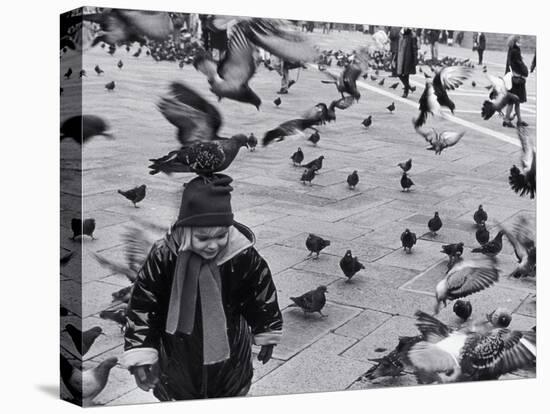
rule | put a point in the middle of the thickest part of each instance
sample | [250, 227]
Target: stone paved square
[367, 315]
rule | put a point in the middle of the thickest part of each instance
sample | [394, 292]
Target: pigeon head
[480, 208]
[500, 317]
[240, 139]
[462, 309]
[356, 96]
[252, 98]
[436, 214]
[322, 157]
[348, 253]
[322, 288]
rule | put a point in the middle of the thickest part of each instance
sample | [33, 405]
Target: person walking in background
[515, 64]
[407, 58]
[459, 38]
[433, 37]
[479, 45]
[534, 63]
[394, 48]
[450, 39]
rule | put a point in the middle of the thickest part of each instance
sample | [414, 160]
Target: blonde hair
[512, 40]
[184, 235]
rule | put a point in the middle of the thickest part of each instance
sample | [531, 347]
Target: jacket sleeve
[143, 323]
[258, 301]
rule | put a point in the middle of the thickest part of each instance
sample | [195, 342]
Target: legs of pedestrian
[480, 55]
[406, 85]
[507, 121]
[284, 79]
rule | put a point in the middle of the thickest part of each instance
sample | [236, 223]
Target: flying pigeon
[522, 238]
[435, 94]
[470, 354]
[499, 97]
[523, 180]
[439, 140]
[202, 150]
[465, 278]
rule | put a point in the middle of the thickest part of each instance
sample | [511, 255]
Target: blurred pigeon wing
[238, 65]
[454, 76]
[428, 357]
[343, 103]
[519, 352]
[450, 138]
[471, 276]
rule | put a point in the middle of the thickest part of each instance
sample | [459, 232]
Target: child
[200, 299]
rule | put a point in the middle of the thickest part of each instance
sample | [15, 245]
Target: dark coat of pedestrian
[514, 63]
[394, 47]
[479, 45]
[407, 58]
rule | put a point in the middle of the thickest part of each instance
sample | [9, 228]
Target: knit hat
[206, 202]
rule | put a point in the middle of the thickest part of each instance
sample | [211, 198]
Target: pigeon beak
[108, 135]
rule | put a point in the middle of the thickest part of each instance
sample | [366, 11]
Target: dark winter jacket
[514, 62]
[394, 39]
[481, 42]
[407, 56]
[252, 312]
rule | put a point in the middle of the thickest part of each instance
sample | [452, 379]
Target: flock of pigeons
[440, 353]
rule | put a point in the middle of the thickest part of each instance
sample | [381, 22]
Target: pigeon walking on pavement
[454, 251]
[406, 182]
[315, 164]
[408, 240]
[315, 244]
[391, 107]
[491, 248]
[252, 142]
[135, 195]
[110, 86]
[482, 234]
[353, 179]
[350, 265]
[480, 215]
[367, 122]
[314, 138]
[435, 224]
[297, 157]
[308, 175]
[312, 301]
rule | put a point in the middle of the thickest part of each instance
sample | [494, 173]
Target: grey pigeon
[350, 265]
[312, 301]
[135, 195]
[491, 248]
[297, 157]
[353, 179]
[482, 234]
[408, 240]
[435, 224]
[315, 244]
[480, 216]
[406, 182]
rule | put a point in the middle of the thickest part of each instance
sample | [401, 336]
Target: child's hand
[265, 353]
[147, 376]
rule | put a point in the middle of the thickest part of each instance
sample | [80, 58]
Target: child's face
[207, 242]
